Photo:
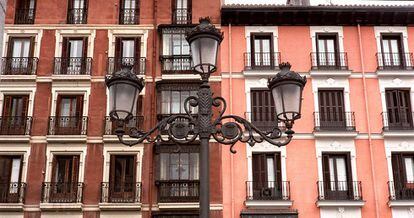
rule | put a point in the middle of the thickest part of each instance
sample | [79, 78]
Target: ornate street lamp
[287, 86]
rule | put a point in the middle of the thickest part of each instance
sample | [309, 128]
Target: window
[122, 181]
[19, 60]
[181, 11]
[69, 120]
[74, 57]
[337, 177]
[263, 113]
[25, 12]
[171, 98]
[262, 50]
[392, 50]
[129, 12]
[64, 182]
[327, 50]
[331, 109]
[398, 109]
[14, 119]
[175, 50]
[77, 11]
[403, 173]
[127, 53]
[10, 177]
[267, 177]
[178, 173]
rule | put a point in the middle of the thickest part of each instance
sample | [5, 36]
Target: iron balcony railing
[395, 61]
[176, 64]
[178, 190]
[68, 125]
[12, 192]
[401, 190]
[77, 15]
[24, 16]
[15, 125]
[397, 120]
[329, 61]
[334, 121]
[121, 193]
[62, 192]
[339, 190]
[72, 66]
[137, 65]
[269, 190]
[261, 61]
[129, 16]
[136, 121]
[18, 66]
[181, 16]
[265, 121]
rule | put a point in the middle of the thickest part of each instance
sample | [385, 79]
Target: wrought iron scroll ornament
[225, 129]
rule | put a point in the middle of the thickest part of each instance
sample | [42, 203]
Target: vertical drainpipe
[153, 101]
[367, 114]
[231, 112]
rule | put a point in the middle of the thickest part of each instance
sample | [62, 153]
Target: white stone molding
[37, 33]
[60, 33]
[18, 149]
[391, 29]
[69, 89]
[114, 33]
[395, 82]
[327, 29]
[396, 145]
[248, 30]
[19, 89]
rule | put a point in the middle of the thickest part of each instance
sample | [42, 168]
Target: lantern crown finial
[204, 27]
[286, 75]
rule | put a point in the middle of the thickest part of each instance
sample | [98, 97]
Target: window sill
[11, 207]
[120, 206]
[344, 134]
[184, 205]
[66, 77]
[400, 72]
[269, 203]
[258, 72]
[401, 203]
[66, 138]
[5, 78]
[60, 206]
[14, 138]
[330, 72]
[398, 133]
[340, 203]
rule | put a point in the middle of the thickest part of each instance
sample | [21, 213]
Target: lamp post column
[205, 102]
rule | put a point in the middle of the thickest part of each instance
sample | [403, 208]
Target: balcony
[339, 191]
[261, 61]
[13, 192]
[62, 192]
[72, 66]
[329, 61]
[328, 121]
[397, 121]
[129, 16]
[14, 125]
[24, 16]
[137, 65]
[68, 125]
[123, 193]
[181, 16]
[137, 121]
[268, 191]
[18, 66]
[395, 61]
[401, 191]
[77, 16]
[173, 191]
[176, 64]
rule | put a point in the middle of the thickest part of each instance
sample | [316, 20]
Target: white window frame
[391, 29]
[248, 30]
[53, 150]
[61, 33]
[56, 91]
[331, 83]
[23, 150]
[314, 30]
[18, 89]
[115, 33]
[38, 34]
[119, 149]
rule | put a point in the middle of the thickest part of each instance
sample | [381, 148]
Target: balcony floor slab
[401, 203]
[340, 203]
[120, 206]
[268, 203]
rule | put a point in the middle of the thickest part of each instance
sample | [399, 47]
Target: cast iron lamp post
[286, 86]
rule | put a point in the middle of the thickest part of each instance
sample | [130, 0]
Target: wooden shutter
[118, 48]
[54, 165]
[65, 46]
[137, 44]
[75, 169]
[259, 169]
[25, 102]
[262, 104]
[140, 105]
[278, 169]
[79, 105]
[7, 105]
[85, 45]
[5, 169]
[325, 168]
[32, 42]
[398, 169]
[398, 107]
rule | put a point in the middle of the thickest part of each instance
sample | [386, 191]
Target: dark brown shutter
[137, 44]
[79, 105]
[7, 105]
[259, 169]
[139, 105]
[25, 102]
[85, 46]
[278, 169]
[54, 165]
[398, 169]
[65, 46]
[10, 47]
[32, 42]
[118, 47]
[325, 168]
[75, 169]
[5, 169]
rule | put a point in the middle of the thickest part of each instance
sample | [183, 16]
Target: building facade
[352, 154]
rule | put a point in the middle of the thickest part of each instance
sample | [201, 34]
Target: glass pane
[76, 48]
[194, 166]
[174, 166]
[175, 102]
[128, 48]
[385, 46]
[21, 48]
[409, 169]
[341, 170]
[332, 174]
[15, 174]
[78, 3]
[184, 96]
[176, 44]
[129, 4]
[271, 178]
[165, 102]
[266, 45]
[65, 104]
[164, 166]
[166, 43]
[330, 45]
[16, 106]
[184, 166]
